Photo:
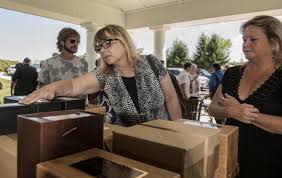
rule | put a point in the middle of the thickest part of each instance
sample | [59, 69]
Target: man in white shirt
[194, 82]
[183, 80]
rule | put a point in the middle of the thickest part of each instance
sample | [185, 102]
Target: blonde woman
[136, 94]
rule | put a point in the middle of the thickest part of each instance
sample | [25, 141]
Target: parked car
[175, 71]
[11, 69]
[36, 66]
[204, 72]
[203, 76]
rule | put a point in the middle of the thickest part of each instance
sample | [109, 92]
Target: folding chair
[194, 107]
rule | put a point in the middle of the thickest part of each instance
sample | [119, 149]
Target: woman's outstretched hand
[47, 92]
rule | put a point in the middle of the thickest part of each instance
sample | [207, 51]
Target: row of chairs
[194, 107]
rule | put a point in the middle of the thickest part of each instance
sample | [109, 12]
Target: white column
[91, 55]
[159, 41]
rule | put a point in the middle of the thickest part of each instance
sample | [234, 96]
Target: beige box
[112, 166]
[162, 148]
[228, 148]
[209, 135]
[108, 135]
[96, 109]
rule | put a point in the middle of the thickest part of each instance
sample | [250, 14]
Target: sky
[24, 35]
[191, 34]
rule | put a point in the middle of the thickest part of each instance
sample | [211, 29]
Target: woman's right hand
[245, 113]
[47, 92]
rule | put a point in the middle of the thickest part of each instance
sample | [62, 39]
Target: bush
[6, 63]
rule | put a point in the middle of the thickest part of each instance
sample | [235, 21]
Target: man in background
[183, 80]
[215, 79]
[66, 65]
[24, 79]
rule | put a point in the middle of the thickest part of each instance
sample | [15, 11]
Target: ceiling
[135, 5]
[144, 13]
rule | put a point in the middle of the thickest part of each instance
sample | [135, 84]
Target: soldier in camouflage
[65, 65]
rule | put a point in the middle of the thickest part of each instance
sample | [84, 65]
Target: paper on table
[67, 116]
[201, 124]
[66, 98]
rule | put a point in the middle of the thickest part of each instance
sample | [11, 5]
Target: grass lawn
[6, 88]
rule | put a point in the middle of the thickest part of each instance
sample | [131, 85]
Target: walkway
[3, 75]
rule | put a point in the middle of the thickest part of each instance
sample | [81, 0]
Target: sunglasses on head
[105, 44]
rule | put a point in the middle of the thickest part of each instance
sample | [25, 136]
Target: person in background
[24, 80]
[183, 80]
[225, 67]
[13, 83]
[194, 82]
[250, 97]
[215, 79]
[65, 65]
[135, 93]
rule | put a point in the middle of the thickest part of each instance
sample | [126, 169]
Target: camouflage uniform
[56, 68]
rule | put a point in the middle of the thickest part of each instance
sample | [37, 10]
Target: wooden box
[45, 136]
[105, 164]
[71, 103]
[8, 116]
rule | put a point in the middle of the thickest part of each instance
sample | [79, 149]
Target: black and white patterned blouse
[151, 99]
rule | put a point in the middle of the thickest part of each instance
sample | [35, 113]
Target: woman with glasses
[135, 93]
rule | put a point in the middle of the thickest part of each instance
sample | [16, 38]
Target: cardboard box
[55, 134]
[71, 103]
[108, 135]
[8, 116]
[96, 109]
[162, 148]
[8, 155]
[228, 149]
[210, 136]
[103, 163]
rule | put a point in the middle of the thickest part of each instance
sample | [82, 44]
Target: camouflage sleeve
[43, 76]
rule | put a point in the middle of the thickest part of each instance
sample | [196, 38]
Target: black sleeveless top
[260, 152]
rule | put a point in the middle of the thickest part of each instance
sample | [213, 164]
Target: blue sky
[23, 35]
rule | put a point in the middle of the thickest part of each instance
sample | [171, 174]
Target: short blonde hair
[272, 28]
[121, 34]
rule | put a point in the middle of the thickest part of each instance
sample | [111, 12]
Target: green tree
[200, 57]
[214, 49]
[177, 54]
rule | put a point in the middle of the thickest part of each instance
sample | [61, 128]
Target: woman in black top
[250, 96]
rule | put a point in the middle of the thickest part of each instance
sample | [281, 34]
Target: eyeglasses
[105, 44]
[74, 41]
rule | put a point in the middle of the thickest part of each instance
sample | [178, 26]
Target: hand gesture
[245, 113]
[47, 92]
